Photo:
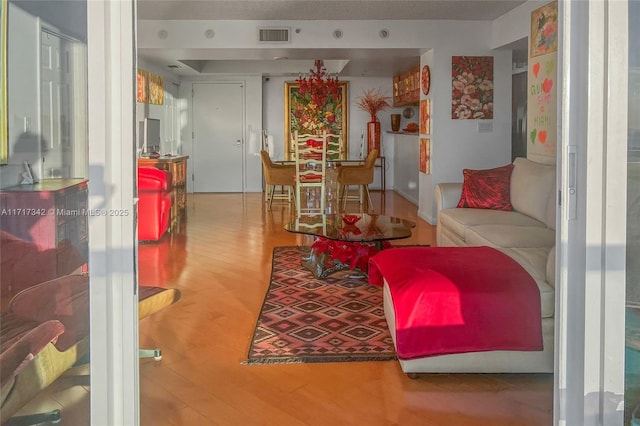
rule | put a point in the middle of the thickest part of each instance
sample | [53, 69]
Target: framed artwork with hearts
[542, 97]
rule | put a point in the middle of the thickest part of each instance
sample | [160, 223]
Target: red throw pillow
[487, 189]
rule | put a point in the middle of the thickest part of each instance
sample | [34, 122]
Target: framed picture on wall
[425, 155]
[150, 88]
[142, 89]
[425, 116]
[472, 87]
[544, 30]
[301, 115]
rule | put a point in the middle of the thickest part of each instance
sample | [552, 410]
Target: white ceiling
[482, 10]
[350, 62]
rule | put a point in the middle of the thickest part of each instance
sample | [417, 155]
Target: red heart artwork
[536, 69]
[546, 85]
[542, 136]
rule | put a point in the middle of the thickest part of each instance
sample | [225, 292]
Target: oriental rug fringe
[306, 320]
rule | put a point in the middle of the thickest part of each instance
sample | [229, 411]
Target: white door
[56, 105]
[218, 137]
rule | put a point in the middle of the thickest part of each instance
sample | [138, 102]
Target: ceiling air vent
[273, 35]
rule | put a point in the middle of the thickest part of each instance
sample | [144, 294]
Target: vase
[373, 135]
[395, 122]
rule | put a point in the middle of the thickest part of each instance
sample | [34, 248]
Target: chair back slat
[310, 171]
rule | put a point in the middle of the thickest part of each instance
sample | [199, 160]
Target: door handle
[239, 142]
[572, 172]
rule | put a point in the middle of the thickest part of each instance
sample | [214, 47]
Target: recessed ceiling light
[384, 33]
[162, 34]
[278, 58]
[337, 33]
[209, 33]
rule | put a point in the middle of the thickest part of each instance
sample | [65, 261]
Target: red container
[373, 136]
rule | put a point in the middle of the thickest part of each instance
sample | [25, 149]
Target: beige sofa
[526, 234]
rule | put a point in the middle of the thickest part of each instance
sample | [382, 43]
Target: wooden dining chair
[361, 176]
[310, 173]
[277, 175]
[335, 148]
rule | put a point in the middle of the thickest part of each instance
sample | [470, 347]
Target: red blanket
[458, 299]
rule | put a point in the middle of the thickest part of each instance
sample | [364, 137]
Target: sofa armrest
[447, 195]
[22, 350]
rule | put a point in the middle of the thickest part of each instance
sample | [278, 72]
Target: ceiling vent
[274, 35]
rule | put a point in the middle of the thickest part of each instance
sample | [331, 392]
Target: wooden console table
[178, 168]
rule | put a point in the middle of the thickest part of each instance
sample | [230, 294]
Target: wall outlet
[485, 126]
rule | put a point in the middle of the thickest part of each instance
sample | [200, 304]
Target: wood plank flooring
[220, 259]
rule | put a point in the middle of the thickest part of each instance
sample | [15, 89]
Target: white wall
[68, 17]
[23, 91]
[515, 24]
[457, 144]
[23, 73]
[406, 174]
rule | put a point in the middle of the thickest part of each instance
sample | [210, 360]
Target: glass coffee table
[346, 241]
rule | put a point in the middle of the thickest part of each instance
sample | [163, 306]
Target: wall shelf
[401, 132]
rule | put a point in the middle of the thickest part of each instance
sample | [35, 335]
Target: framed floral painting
[425, 155]
[303, 116]
[472, 87]
[544, 30]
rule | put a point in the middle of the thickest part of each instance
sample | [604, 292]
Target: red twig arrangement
[373, 101]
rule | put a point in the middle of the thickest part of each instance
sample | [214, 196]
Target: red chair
[154, 203]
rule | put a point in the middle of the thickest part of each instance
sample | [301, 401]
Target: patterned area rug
[304, 319]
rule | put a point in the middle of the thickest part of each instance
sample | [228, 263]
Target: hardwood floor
[221, 259]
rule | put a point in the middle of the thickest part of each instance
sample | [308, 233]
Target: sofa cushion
[550, 218]
[531, 183]
[551, 267]
[487, 189]
[509, 236]
[458, 220]
[534, 261]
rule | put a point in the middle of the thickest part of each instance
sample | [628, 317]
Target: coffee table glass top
[352, 227]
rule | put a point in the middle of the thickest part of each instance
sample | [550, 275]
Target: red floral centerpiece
[373, 101]
[345, 253]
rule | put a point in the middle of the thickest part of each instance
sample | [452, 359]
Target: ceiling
[287, 61]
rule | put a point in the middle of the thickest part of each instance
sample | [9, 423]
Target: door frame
[113, 298]
[590, 272]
